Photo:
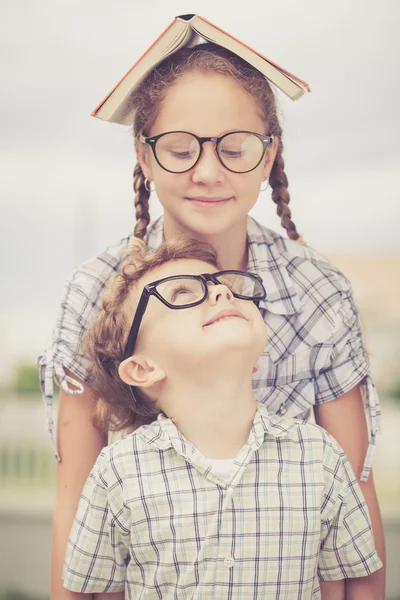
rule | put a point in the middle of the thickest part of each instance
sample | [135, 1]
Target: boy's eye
[184, 294]
[180, 291]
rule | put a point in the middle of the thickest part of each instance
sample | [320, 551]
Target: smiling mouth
[228, 318]
[205, 200]
[224, 315]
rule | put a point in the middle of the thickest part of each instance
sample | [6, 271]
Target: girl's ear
[143, 157]
[270, 157]
[139, 371]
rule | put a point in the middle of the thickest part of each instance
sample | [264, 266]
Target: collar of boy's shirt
[164, 434]
[265, 258]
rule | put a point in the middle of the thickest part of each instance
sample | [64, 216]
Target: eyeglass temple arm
[131, 341]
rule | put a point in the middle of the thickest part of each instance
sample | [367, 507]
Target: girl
[314, 357]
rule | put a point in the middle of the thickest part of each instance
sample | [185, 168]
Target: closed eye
[232, 153]
[181, 154]
[180, 291]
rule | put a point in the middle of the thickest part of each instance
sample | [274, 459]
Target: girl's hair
[207, 58]
[105, 339]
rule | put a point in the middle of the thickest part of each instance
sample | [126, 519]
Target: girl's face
[209, 199]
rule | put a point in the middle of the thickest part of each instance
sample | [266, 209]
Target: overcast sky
[66, 177]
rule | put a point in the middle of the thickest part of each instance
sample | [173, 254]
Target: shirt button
[229, 561]
[282, 409]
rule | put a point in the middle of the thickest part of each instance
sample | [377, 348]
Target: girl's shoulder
[93, 273]
[293, 260]
[91, 277]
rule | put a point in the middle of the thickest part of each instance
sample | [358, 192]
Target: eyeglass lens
[184, 291]
[238, 151]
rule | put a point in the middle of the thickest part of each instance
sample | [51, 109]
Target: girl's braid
[141, 203]
[280, 194]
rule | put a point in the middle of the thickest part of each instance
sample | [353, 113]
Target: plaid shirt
[155, 521]
[315, 350]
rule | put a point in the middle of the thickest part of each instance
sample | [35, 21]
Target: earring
[147, 185]
[265, 188]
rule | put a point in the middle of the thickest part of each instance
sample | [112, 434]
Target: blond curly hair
[105, 339]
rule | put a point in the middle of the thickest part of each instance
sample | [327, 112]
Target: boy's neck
[231, 245]
[215, 418]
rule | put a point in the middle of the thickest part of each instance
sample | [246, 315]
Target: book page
[273, 72]
[115, 106]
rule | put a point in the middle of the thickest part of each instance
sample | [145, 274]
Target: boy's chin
[235, 343]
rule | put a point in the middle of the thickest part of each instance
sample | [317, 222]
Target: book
[190, 30]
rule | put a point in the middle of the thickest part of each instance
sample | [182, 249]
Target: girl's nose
[208, 170]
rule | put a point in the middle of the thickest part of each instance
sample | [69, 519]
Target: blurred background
[66, 193]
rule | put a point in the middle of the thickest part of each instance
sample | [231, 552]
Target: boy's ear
[143, 159]
[139, 371]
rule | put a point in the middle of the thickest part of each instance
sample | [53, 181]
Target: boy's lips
[228, 312]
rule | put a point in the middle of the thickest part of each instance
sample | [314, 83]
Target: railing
[27, 464]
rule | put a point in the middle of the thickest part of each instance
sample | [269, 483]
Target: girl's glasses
[180, 151]
[185, 291]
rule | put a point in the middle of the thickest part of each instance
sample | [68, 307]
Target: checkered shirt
[156, 522]
[315, 350]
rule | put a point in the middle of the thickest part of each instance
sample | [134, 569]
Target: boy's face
[186, 340]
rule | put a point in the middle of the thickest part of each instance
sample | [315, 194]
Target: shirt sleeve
[82, 296]
[98, 547]
[349, 367]
[347, 544]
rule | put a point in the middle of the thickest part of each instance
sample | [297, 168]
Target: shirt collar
[164, 434]
[266, 258]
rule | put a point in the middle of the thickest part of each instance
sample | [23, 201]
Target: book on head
[190, 30]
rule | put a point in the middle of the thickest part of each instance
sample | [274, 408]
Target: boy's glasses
[185, 291]
[180, 151]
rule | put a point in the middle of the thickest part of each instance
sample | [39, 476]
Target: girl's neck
[230, 245]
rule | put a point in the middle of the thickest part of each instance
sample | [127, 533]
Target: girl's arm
[106, 596]
[344, 419]
[79, 443]
[332, 590]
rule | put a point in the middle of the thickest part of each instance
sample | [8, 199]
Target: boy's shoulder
[311, 435]
[123, 452]
[300, 428]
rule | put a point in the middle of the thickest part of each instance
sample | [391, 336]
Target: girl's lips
[208, 200]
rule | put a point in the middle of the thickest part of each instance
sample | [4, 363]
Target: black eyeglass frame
[151, 290]
[152, 141]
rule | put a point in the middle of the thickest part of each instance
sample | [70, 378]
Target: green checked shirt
[156, 521]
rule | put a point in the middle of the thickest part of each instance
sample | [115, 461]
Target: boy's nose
[219, 292]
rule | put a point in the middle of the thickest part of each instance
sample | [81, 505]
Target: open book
[190, 30]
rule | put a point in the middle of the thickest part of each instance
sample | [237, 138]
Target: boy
[215, 498]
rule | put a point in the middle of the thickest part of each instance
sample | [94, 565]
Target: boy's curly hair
[105, 339]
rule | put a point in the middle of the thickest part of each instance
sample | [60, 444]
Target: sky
[66, 177]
